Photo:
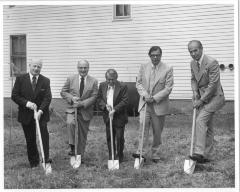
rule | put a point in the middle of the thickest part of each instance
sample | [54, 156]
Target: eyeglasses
[152, 56]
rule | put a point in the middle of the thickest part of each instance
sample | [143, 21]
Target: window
[18, 64]
[122, 12]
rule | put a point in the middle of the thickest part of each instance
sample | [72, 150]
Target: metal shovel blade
[72, 160]
[189, 166]
[113, 164]
[138, 163]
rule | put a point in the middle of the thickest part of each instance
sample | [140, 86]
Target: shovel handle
[76, 130]
[111, 133]
[39, 136]
[193, 130]
[143, 130]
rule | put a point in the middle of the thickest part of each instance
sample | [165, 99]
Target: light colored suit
[85, 113]
[206, 82]
[159, 90]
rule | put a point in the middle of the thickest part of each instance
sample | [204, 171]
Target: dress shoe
[34, 166]
[71, 153]
[155, 160]
[77, 162]
[199, 158]
[135, 155]
[48, 168]
[121, 159]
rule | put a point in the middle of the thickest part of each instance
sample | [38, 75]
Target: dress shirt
[110, 92]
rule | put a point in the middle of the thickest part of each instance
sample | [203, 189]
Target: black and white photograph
[131, 95]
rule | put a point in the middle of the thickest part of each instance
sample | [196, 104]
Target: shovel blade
[189, 166]
[72, 160]
[113, 164]
[138, 163]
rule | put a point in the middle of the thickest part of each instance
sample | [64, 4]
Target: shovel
[40, 139]
[112, 164]
[73, 158]
[189, 164]
[139, 161]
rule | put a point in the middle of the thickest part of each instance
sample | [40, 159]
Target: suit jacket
[120, 102]
[88, 98]
[22, 93]
[207, 83]
[162, 86]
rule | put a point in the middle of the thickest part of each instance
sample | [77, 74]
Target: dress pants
[204, 135]
[83, 128]
[157, 123]
[30, 136]
[118, 141]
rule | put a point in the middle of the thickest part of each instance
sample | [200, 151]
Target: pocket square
[42, 90]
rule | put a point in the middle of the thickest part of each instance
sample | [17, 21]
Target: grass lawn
[93, 173]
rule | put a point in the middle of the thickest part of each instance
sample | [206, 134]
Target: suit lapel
[38, 86]
[148, 70]
[105, 86]
[195, 70]
[199, 74]
[158, 73]
[87, 85]
[116, 91]
[76, 85]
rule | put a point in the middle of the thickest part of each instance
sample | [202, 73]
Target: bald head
[83, 67]
[195, 49]
[196, 43]
[35, 66]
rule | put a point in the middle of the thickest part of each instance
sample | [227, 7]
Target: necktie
[198, 65]
[81, 86]
[152, 79]
[34, 83]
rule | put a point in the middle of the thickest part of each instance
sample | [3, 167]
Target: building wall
[61, 35]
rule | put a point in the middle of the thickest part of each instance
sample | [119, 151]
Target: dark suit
[22, 93]
[120, 118]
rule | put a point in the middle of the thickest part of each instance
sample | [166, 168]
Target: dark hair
[154, 48]
[197, 41]
[112, 73]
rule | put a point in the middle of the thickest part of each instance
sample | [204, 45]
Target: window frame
[12, 72]
[122, 18]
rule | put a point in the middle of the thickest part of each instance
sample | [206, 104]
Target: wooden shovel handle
[193, 130]
[39, 136]
[76, 130]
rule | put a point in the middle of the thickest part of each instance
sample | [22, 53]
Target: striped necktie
[34, 83]
[81, 86]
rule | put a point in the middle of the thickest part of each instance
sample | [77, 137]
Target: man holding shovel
[32, 93]
[80, 92]
[154, 84]
[113, 101]
[208, 97]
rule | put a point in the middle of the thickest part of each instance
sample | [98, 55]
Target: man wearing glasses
[154, 84]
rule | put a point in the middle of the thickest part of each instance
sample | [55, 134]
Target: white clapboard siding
[61, 35]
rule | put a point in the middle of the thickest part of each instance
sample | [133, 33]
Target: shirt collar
[81, 77]
[31, 76]
[111, 86]
[156, 66]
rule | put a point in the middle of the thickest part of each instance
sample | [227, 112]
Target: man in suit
[31, 92]
[208, 97]
[113, 101]
[80, 91]
[154, 84]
